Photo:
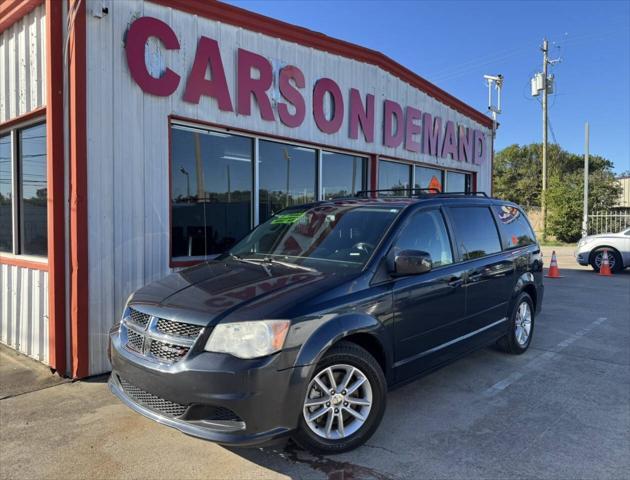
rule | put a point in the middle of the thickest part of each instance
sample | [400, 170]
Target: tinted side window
[515, 228]
[476, 231]
[426, 232]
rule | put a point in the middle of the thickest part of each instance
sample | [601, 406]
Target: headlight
[248, 339]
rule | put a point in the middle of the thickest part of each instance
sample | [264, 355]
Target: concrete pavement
[562, 410]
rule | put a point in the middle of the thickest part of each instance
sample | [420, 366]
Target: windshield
[325, 237]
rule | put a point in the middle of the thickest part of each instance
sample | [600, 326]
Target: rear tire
[327, 426]
[614, 259]
[521, 321]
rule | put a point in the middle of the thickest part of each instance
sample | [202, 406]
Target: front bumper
[265, 400]
[582, 256]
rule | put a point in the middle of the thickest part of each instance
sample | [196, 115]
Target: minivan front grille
[135, 341]
[139, 318]
[167, 351]
[178, 329]
[153, 402]
[159, 339]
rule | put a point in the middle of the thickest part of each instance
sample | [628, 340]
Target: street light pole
[497, 82]
[586, 147]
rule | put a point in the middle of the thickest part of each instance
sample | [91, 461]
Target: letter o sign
[323, 86]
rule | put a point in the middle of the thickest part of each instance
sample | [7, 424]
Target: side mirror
[411, 262]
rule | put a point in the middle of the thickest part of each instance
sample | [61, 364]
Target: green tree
[565, 196]
[518, 177]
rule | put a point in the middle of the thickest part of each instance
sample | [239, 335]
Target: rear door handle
[455, 282]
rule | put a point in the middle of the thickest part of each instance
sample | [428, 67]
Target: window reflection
[342, 175]
[287, 176]
[211, 191]
[394, 176]
[429, 178]
[458, 182]
[34, 190]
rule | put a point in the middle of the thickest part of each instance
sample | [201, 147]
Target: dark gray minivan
[301, 328]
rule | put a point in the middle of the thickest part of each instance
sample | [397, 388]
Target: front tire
[614, 260]
[344, 401]
[518, 339]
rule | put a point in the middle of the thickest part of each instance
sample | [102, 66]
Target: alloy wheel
[338, 401]
[523, 323]
[599, 258]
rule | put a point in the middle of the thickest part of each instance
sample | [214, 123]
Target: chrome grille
[167, 351]
[135, 341]
[139, 318]
[158, 404]
[178, 329]
[159, 339]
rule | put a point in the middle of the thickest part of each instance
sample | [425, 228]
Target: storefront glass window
[211, 191]
[458, 182]
[287, 176]
[34, 191]
[394, 176]
[6, 197]
[342, 175]
[429, 178]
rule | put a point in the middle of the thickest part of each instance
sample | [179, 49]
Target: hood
[218, 288]
[598, 237]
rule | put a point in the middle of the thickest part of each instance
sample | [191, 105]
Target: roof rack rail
[419, 192]
[465, 194]
[399, 191]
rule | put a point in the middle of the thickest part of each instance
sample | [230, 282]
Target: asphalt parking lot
[562, 410]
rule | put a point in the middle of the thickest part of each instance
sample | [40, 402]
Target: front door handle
[455, 282]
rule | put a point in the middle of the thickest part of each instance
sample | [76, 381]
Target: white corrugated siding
[24, 310]
[128, 204]
[24, 291]
[23, 65]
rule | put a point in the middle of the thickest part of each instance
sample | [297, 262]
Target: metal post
[256, 186]
[585, 217]
[545, 49]
[494, 133]
[497, 82]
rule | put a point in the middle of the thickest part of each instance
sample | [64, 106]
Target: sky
[454, 43]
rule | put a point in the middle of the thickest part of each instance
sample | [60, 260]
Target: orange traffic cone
[604, 268]
[553, 272]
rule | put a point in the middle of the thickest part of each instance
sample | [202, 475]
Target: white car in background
[590, 250]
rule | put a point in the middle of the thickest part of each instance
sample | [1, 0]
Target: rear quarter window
[515, 229]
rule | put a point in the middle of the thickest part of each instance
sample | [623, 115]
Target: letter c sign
[137, 35]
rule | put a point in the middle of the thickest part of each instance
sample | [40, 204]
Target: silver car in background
[590, 250]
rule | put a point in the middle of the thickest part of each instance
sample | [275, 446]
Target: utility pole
[545, 49]
[543, 82]
[586, 147]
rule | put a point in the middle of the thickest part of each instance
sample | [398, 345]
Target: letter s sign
[137, 35]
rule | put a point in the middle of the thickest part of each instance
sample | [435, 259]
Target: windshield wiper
[265, 261]
[251, 261]
[289, 265]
